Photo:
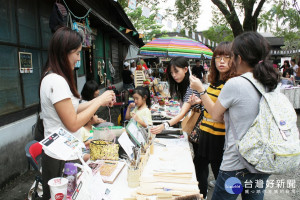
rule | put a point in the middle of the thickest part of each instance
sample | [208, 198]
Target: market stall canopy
[176, 46]
[132, 53]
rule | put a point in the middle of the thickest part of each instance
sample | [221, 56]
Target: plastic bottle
[70, 172]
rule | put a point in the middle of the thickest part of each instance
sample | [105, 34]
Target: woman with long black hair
[239, 101]
[60, 99]
[178, 77]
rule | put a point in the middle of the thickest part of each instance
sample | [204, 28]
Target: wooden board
[139, 78]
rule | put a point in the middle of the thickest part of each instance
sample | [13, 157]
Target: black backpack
[58, 17]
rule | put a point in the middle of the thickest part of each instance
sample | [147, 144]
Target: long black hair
[254, 50]
[89, 89]
[144, 92]
[178, 89]
[62, 43]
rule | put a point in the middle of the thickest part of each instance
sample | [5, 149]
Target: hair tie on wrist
[260, 61]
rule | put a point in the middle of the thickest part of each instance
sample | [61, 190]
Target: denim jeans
[253, 185]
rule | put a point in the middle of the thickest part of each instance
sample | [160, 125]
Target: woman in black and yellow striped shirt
[212, 133]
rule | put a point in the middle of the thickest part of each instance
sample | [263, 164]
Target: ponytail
[254, 50]
[265, 73]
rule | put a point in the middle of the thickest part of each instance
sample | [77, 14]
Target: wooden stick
[153, 180]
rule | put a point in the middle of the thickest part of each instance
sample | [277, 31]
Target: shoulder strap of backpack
[248, 166]
[254, 82]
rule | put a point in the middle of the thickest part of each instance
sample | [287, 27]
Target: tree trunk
[250, 21]
[231, 16]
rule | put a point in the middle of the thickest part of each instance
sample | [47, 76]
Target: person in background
[212, 133]
[132, 66]
[199, 71]
[144, 65]
[287, 79]
[60, 100]
[275, 65]
[178, 77]
[87, 135]
[286, 67]
[127, 77]
[295, 68]
[250, 55]
[141, 113]
[297, 77]
[90, 91]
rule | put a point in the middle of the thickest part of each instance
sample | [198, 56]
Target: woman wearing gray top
[240, 100]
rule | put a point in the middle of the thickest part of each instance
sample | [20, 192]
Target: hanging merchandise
[141, 35]
[146, 12]
[112, 70]
[186, 33]
[58, 17]
[193, 35]
[85, 32]
[77, 66]
[121, 29]
[169, 24]
[178, 28]
[100, 66]
[132, 4]
[134, 33]
[158, 18]
[87, 23]
[127, 30]
[75, 27]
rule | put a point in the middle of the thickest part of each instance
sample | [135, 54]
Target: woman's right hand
[193, 99]
[157, 129]
[131, 105]
[196, 84]
[107, 98]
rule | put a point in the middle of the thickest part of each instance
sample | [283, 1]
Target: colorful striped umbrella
[176, 46]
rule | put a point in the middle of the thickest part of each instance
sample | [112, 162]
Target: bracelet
[202, 93]
[166, 125]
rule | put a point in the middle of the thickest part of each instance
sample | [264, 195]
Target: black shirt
[198, 71]
[126, 75]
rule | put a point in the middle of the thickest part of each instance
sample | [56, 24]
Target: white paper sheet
[126, 144]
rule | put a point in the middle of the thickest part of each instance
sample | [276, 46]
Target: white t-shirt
[132, 69]
[54, 88]
[295, 67]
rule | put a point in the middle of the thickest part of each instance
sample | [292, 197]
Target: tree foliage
[220, 29]
[144, 25]
[187, 12]
[219, 33]
[283, 20]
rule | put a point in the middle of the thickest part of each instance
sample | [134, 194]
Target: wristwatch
[202, 93]
[167, 125]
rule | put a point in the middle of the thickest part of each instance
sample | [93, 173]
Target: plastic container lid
[70, 168]
[108, 127]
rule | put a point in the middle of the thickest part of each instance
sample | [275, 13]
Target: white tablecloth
[293, 94]
[176, 155]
